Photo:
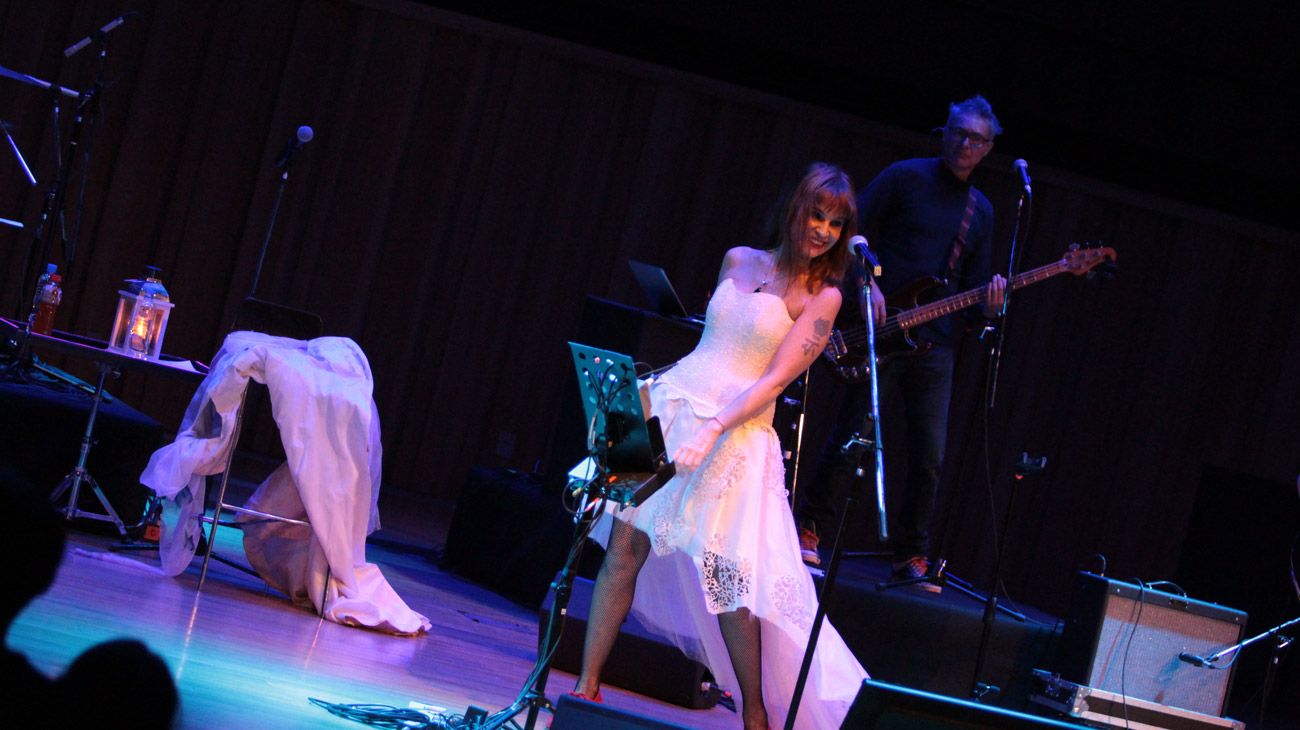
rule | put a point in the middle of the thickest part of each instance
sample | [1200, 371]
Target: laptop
[659, 292]
[633, 447]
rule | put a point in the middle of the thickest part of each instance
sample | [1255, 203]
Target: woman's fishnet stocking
[610, 600]
[743, 635]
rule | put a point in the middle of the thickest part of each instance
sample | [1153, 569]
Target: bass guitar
[847, 348]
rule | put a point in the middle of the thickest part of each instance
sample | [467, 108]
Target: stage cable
[1128, 647]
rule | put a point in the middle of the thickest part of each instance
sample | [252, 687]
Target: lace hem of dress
[726, 582]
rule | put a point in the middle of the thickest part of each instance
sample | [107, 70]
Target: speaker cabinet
[572, 713]
[880, 706]
[1125, 638]
[507, 534]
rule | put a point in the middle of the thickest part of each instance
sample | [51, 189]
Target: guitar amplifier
[1127, 639]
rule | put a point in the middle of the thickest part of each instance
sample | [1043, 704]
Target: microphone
[300, 138]
[869, 260]
[72, 50]
[1193, 659]
[1023, 168]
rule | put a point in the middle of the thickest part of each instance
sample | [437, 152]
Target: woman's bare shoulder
[742, 258]
[824, 302]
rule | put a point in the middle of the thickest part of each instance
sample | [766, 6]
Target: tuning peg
[1074, 247]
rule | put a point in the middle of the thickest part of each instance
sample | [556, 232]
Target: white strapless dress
[723, 536]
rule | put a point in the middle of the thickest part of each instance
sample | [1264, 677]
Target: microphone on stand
[72, 50]
[1023, 168]
[300, 138]
[869, 261]
[1193, 659]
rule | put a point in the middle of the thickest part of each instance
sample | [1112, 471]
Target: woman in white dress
[716, 548]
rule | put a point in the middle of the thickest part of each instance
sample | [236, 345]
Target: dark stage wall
[469, 185]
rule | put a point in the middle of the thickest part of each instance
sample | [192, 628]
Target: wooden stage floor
[244, 657]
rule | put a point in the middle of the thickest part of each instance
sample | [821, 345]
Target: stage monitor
[881, 706]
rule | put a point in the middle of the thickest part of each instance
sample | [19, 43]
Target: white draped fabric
[321, 399]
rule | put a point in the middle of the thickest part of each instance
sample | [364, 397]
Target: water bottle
[40, 284]
[47, 304]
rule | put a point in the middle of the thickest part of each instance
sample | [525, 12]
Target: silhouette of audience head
[121, 684]
[36, 535]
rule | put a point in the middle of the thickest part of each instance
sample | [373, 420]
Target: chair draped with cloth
[305, 527]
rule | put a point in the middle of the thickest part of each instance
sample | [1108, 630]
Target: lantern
[141, 318]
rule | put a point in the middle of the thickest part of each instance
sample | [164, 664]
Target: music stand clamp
[626, 464]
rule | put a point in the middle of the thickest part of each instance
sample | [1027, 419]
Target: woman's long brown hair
[828, 187]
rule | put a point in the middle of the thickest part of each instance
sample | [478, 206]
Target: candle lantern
[141, 319]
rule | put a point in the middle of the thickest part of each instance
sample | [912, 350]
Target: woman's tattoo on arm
[816, 342]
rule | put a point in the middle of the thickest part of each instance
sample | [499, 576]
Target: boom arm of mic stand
[1216, 656]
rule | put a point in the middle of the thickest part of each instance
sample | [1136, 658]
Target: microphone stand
[53, 213]
[981, 690]
[793, 457]
[270, 226]
[52, 209]
[858, 444]
[87, 110]
[1025, 204]
[1280, 642]
[882, 523]
[938, 574]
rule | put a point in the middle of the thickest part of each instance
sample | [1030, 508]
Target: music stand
[625, 465]
[630, 445]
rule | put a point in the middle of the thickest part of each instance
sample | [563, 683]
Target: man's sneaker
[808, 546]
[915, 567]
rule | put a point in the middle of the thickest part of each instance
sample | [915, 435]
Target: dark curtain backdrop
[469, 185]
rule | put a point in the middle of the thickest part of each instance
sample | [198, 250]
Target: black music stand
[617, 428]
[625, 465]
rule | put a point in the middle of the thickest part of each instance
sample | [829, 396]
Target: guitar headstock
[1080, 261]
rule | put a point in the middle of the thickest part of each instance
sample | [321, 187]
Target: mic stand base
[533, 698]
[941, 577]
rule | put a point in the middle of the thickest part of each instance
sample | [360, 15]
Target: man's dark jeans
[922, 388]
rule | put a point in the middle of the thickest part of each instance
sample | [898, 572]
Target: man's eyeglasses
[977, 141]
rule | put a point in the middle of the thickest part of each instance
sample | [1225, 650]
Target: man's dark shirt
[911, 212]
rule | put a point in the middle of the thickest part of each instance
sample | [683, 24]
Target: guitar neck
[957, 302]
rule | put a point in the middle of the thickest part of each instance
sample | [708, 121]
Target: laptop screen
[659, 292]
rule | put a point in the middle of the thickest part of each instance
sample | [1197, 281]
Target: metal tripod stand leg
[79, 474]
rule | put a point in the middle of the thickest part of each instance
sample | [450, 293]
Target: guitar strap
[959, 241]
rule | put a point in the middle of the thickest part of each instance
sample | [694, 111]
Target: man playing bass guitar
[925, 219]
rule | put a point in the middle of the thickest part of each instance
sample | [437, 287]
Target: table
[18, 336]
